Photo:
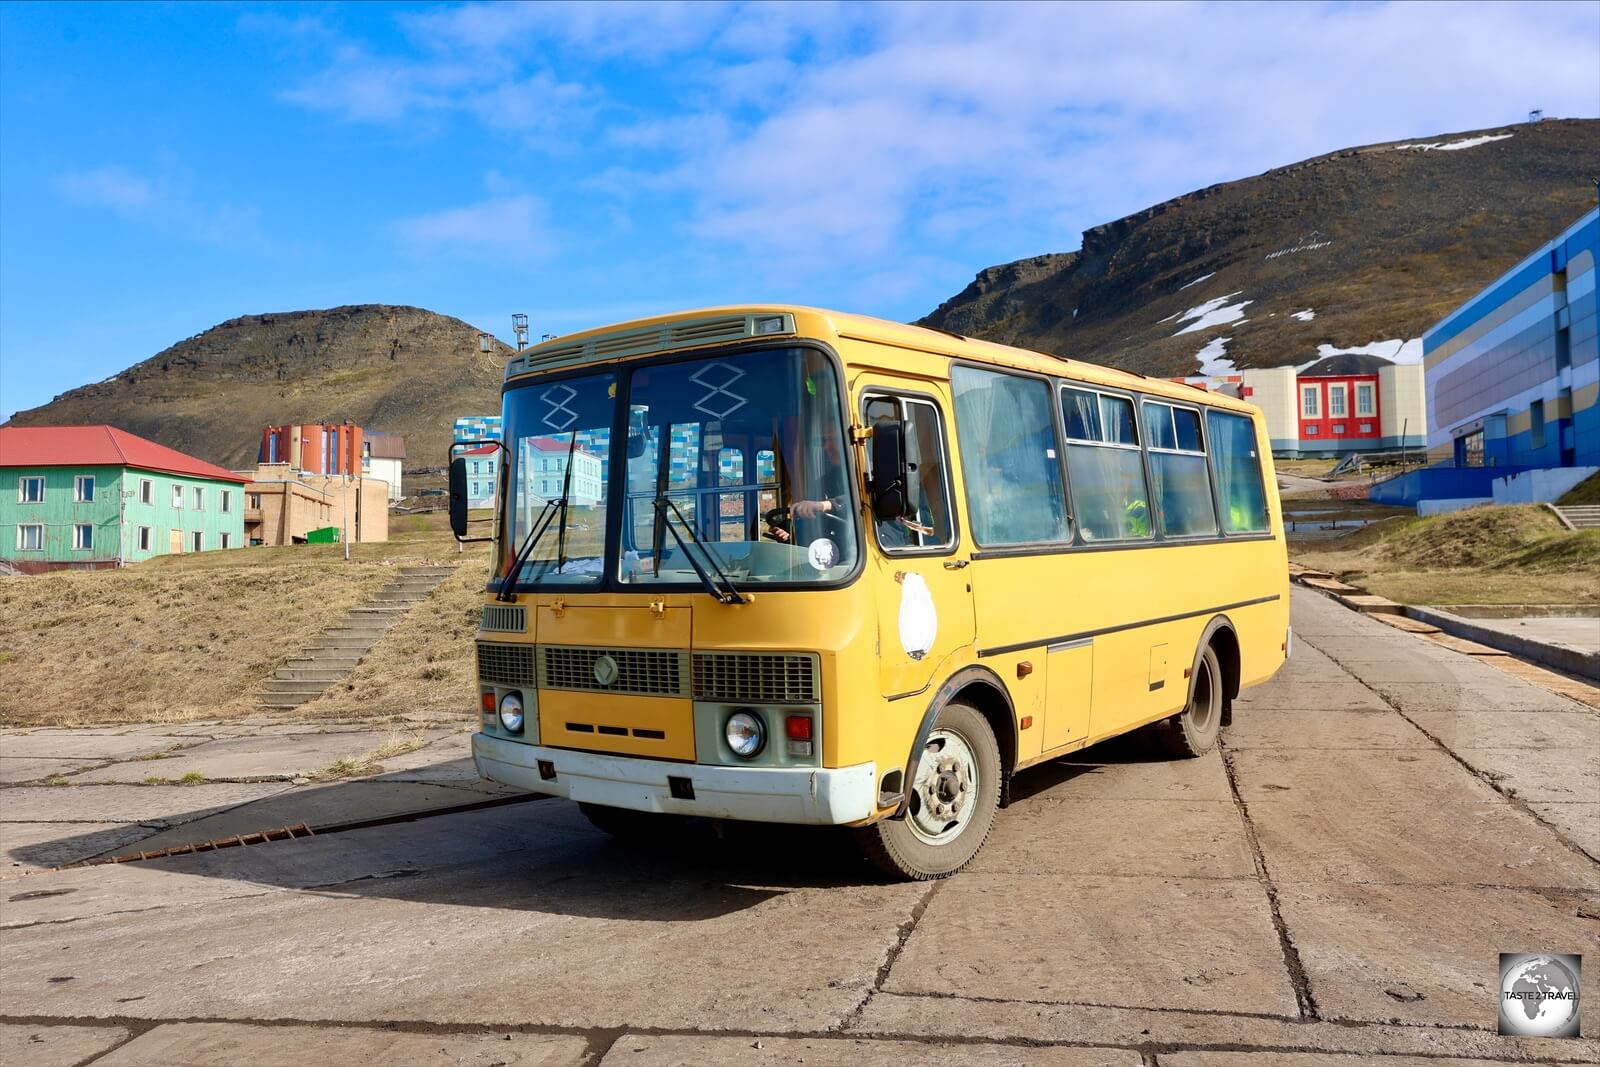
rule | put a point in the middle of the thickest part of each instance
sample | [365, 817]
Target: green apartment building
[97, 496]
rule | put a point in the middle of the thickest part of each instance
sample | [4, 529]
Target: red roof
[99, 446]
[551, 445]
[481, 450]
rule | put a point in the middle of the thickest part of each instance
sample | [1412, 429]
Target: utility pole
[346, 495]
[519, 325]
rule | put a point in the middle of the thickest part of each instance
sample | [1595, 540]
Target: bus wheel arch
[1220, 636]
[981, 689]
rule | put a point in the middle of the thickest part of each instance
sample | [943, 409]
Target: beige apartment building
[283, 506]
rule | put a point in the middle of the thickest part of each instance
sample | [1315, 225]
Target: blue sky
[164, 167]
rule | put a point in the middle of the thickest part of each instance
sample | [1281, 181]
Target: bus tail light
[797, 728]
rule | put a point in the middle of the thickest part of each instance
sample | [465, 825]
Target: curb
[1571, 660]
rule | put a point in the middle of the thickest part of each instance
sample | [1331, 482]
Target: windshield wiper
[723, 589]
[541, 523]
[552, 508]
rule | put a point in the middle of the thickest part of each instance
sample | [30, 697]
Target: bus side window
[927, 524]
[1008, 457]
[1238, 469]
[1105, 467]
[1179, 477]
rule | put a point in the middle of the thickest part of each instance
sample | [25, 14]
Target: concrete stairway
[1583, 517]
[335, 653]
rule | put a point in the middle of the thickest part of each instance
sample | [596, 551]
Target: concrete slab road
[1332, 886]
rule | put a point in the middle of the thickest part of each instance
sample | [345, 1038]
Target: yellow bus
[787, 565]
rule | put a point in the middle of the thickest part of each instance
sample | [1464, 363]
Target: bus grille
[755, 678]
[505, 664]
[503, 618]
[646, 671]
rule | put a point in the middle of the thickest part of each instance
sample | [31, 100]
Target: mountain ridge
[1343, 250]
[1357, 248]
[395, 368]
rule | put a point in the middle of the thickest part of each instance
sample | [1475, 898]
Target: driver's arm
[806, 509]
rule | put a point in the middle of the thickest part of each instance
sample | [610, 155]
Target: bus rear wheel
[951, 806]
[1194, 731]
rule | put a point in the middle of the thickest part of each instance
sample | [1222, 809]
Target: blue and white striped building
[1513, 375]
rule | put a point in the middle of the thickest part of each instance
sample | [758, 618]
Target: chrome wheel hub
[946, 789]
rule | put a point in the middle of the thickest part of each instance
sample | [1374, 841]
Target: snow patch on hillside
[1197, 281]
[1395, 351]
[1305, 316]
[1215, 312]
[1214, 361]
[1455, 146]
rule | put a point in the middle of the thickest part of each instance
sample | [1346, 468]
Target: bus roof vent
[654, 339]
[728, 328]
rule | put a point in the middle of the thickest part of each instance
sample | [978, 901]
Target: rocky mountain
[398, 369]
[1347, 250]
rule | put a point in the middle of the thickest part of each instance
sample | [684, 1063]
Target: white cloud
[501, 225]
[167, 201]
[807, 128]
[114, 187]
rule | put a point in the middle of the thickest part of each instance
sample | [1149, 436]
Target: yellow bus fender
[1226, 637]
[994, 704]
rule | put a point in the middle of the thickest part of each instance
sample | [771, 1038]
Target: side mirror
[637, 431]
[887, 486]
[458, 484]
[458, 497]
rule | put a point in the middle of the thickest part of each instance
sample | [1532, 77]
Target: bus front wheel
[951, 806]
[1193, 731]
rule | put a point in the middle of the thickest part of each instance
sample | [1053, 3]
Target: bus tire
[624, 823]
[1194, 730]
[951, 806]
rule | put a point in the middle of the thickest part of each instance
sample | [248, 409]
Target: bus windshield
[733, 463]
[550, 427]
[740, 457]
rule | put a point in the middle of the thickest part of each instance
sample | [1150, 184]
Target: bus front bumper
[823, 796]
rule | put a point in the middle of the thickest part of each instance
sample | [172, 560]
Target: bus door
[919, 578]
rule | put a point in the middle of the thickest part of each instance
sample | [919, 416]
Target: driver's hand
[807, 509]
[778, 533]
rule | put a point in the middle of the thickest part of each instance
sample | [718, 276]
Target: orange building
[315, 448]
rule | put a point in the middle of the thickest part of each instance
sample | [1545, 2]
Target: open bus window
[927, 525]
[1178, 474]
[1106, 469]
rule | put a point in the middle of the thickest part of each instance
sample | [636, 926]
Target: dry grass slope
[189, 637]
[1487, 555]
[1585, 494]
[426, 663]
[168, 643]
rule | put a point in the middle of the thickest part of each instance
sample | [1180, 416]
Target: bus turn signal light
[797, 727]
[487, 701]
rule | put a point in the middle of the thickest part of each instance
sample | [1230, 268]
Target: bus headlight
[745, 734]
[511, 713]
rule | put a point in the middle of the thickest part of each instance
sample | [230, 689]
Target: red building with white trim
[1339, 401]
